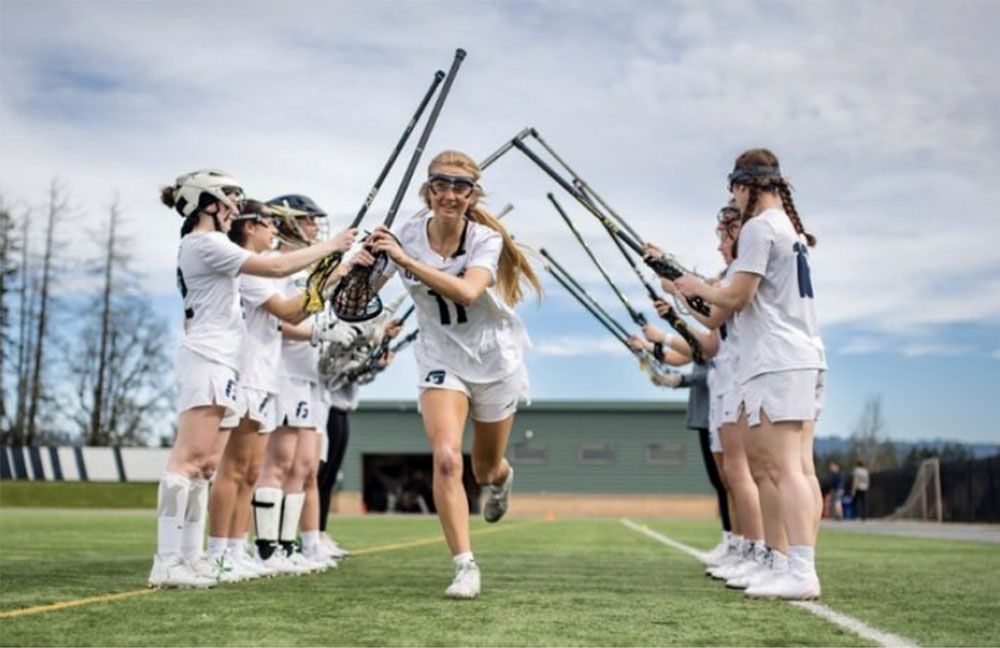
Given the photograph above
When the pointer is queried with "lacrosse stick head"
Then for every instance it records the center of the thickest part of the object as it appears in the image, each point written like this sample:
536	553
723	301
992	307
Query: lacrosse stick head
355	299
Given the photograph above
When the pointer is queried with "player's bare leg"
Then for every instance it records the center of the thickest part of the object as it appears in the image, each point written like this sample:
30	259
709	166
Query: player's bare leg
490	467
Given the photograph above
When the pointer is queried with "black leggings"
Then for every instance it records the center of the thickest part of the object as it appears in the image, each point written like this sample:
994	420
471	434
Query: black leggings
705	440
337	434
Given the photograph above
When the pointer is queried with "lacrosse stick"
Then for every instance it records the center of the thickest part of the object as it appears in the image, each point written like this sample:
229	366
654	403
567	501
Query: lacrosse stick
356	298
325	267
665	266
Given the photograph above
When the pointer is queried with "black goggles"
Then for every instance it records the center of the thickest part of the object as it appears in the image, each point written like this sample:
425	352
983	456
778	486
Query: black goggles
751	175
728	215
462	186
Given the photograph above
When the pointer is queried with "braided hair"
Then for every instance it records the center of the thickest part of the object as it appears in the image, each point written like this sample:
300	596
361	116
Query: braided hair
758	170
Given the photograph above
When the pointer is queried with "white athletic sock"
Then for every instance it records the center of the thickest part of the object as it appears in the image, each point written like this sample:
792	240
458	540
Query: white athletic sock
726	535
193	537
802	558
266	519
310	539
171	503
291	511
779	561
464	559
217	546
236	544
735	541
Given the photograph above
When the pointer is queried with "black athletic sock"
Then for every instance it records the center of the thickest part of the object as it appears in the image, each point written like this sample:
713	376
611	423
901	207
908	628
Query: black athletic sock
704	440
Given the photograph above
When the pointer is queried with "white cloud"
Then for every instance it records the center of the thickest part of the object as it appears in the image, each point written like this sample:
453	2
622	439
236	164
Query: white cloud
890	141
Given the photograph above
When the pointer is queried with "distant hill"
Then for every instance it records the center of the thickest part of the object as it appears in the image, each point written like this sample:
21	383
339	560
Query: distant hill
826	445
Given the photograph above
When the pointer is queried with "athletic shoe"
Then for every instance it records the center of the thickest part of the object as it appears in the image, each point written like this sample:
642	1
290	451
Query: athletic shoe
715	556
731	555
174	572
741	577
793	585
497	499
331	547
218	568
734	559
247	565
299	559
466	583
319	555
278	563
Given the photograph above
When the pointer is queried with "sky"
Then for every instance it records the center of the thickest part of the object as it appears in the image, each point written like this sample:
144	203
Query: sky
884	117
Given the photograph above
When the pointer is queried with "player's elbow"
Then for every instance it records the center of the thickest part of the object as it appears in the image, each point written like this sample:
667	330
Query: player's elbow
469	296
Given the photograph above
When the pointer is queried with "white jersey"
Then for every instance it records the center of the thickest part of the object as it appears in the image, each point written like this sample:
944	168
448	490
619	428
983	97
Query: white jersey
778	328
207	267
261	358
480	343
725	365
299	359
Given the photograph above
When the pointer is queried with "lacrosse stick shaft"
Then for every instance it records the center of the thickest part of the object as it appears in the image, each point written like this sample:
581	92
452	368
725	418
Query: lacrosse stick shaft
578	180
424	136
438	77
672	318
581	293
636	316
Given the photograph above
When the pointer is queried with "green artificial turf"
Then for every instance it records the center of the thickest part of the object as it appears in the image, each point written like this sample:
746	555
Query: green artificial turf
568	582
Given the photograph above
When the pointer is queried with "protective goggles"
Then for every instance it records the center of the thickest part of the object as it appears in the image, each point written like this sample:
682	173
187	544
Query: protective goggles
751	175
461	186
728	215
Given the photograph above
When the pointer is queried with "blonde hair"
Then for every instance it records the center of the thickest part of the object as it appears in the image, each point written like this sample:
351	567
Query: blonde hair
513	269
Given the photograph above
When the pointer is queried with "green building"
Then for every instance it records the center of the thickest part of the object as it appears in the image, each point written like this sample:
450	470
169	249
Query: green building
570	457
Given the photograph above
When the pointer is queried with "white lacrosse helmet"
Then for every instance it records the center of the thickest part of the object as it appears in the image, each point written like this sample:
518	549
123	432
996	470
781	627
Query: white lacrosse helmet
198	189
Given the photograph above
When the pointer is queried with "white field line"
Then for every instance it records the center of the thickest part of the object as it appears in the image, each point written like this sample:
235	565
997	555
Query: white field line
856	626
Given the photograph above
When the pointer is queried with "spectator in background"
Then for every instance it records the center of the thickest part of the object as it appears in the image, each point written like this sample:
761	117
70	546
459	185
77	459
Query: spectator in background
859	489
836	491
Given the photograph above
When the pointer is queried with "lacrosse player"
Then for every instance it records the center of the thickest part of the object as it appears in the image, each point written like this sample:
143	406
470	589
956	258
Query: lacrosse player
207	362
782	363
464	273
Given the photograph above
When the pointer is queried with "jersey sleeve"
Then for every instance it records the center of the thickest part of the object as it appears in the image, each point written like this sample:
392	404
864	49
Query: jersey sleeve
256	290
754	248
222	255
485	252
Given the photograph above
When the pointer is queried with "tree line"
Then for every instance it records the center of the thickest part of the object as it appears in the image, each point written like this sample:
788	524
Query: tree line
84	357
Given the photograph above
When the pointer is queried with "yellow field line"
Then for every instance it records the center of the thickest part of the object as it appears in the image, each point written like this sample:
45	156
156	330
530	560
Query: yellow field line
61	605
42	609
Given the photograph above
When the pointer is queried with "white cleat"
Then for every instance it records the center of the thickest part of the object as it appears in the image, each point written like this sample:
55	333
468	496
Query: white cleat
217	568
299	559
175	572
318	555
466	583
331	547
793	585
498	499
714	557
247	566
278	564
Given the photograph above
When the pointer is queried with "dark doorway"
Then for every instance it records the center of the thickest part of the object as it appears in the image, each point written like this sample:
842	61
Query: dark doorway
401	483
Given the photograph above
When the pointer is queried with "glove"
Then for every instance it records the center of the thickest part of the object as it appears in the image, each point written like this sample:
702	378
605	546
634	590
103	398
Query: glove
327	328
671	379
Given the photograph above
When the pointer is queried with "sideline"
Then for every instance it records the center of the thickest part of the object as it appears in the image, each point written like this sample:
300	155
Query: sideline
855	626
62	605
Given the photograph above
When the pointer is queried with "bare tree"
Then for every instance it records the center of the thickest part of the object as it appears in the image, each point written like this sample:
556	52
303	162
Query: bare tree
8	273
57	208
868	439
120	362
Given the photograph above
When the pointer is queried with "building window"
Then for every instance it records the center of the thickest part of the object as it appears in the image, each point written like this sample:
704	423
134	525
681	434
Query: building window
527	452
597	453
665	454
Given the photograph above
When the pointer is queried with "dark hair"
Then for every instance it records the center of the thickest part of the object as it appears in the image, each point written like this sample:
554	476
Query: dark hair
758	170
238	231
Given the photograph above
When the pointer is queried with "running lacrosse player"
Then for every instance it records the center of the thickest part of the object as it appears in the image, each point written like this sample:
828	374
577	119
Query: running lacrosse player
465	274
207	362
782	363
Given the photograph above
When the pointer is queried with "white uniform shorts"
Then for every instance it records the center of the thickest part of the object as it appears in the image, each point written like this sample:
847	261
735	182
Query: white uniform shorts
794	395
714	412
714	440
488	402
202	382
298	402
258	405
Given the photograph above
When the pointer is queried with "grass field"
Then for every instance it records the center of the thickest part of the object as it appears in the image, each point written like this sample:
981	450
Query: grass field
565	582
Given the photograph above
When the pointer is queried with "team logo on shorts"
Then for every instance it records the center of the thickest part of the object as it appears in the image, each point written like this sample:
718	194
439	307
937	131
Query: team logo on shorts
436	377
231	389
302	410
